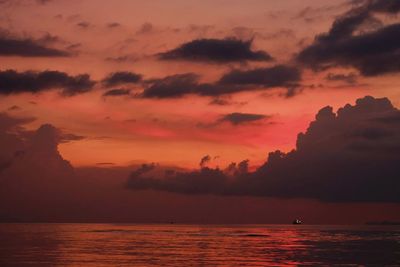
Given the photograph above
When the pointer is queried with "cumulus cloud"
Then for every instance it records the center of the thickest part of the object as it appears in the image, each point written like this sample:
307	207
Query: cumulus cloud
347	156
122	77
217	51
360	40
13	82
28	155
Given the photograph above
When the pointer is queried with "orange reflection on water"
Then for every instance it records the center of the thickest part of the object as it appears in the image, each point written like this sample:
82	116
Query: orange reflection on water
189	245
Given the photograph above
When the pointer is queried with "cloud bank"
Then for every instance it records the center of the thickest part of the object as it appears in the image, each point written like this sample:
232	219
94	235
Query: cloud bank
348	156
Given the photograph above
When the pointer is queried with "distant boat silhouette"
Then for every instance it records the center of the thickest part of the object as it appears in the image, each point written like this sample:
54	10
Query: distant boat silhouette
297	221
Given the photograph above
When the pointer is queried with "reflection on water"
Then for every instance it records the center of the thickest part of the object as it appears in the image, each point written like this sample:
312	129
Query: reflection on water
188	245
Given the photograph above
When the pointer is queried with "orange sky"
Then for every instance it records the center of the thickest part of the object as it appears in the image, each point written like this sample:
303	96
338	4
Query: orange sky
124	129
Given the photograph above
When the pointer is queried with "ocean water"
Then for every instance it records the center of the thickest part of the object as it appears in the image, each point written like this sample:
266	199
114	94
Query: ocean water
197	245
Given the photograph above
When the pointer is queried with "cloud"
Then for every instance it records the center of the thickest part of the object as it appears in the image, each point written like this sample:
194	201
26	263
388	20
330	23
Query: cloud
27	48
276	76
348	156
358	39
204	161
121	77
69	137
236	81
10	140
83	24
179	85
117	92
113	25
9	123
216	51
172	86
13	82
31	153
225	101
350	78
143	169
242	118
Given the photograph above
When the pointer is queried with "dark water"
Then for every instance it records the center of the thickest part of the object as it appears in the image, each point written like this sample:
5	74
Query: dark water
188	245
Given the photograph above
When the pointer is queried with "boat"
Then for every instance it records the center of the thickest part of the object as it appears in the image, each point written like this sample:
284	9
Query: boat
297	221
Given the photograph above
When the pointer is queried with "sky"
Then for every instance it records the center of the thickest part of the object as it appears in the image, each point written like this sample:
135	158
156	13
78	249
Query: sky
148	110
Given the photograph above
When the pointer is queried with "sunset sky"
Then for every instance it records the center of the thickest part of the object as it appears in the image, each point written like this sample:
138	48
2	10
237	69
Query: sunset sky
129	82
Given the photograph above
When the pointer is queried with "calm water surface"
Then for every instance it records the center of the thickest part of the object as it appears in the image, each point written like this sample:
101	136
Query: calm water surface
190	245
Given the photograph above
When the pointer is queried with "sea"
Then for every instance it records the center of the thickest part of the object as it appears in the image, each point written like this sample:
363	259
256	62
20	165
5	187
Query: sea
198	245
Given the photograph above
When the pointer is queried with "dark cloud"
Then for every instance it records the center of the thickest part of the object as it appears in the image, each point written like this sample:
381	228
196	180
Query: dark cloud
172	86
241	118
13	82
216	50
117	92
83	24
179	85
233	82
113	25
348	156
27	48
270	77
121	77
23	151
204	161
145	168
203	181
358	39
276	76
